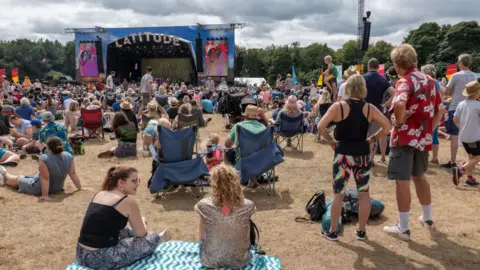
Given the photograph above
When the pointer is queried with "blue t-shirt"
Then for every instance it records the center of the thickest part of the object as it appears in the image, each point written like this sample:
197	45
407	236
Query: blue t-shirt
58	169
26	112
207	105
116	106
376	88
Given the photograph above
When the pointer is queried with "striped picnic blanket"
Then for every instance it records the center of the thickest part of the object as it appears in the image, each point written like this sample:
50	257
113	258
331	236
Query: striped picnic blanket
181	255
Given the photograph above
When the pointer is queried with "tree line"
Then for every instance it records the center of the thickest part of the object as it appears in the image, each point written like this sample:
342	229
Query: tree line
438	44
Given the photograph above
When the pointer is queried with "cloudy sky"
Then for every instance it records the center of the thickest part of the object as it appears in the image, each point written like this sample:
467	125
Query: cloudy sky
268	21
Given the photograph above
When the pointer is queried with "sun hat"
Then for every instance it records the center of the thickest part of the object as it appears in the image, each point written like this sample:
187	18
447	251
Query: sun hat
48	117
173	102
471	88
251	112
126	105
291	103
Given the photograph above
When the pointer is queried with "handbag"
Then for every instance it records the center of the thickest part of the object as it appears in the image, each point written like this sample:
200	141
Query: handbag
254	234
315	207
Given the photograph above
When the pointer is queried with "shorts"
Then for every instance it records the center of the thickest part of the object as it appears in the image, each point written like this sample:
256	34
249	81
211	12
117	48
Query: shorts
30	185
435	140
2	152
332	80
373	128
452	129
472	149
150	130
146	98
344	166
405	162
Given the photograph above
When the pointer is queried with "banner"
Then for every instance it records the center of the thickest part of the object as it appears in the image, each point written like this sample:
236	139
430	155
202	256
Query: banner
320	78
216	58
294	75
2	72
15	75
451	69
339	73
359	68
381	69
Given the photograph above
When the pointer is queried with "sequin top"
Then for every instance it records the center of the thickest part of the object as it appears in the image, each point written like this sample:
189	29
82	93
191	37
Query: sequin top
227	238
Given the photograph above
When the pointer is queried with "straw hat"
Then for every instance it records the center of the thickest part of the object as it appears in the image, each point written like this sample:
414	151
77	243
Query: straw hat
471	88
173	102
251	112
126	105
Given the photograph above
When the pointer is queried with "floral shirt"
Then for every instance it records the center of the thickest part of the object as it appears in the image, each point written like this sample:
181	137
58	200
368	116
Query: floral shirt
54	129
422	100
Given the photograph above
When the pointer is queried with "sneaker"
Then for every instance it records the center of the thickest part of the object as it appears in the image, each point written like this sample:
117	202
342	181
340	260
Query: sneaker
361	235
456	174
448	165
332	236
426	223
472	182
396	232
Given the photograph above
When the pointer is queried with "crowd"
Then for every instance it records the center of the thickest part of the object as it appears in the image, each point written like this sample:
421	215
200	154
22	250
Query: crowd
404	112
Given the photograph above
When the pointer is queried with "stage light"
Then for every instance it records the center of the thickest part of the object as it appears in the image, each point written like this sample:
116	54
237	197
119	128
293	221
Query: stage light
368	14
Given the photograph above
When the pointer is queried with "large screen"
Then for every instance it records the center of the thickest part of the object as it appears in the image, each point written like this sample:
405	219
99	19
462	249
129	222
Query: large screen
87	60
172	68
216	57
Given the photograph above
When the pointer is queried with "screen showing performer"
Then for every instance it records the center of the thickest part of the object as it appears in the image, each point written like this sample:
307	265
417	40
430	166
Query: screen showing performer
87	60
216	57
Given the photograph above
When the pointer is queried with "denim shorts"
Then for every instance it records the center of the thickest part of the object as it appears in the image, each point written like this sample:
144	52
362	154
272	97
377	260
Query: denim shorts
30	185
435	140
150	130
452	129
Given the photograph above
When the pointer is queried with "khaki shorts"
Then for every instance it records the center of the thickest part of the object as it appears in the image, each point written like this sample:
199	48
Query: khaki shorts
146	98
405	162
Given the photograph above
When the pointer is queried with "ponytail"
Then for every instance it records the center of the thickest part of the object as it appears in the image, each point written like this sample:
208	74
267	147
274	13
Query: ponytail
114	174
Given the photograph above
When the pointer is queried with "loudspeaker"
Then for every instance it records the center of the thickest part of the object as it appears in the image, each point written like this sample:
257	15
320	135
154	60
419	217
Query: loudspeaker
98	47
239	63
366	35
199	54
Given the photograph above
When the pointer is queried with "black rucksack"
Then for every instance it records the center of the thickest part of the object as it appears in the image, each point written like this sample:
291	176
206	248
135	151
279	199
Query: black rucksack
315	207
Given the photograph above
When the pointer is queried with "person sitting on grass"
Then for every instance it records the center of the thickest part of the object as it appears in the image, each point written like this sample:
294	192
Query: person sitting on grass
53	129
4	123
150	135
34	146
105	241
8	158
225	222
125	133
22	134
53	167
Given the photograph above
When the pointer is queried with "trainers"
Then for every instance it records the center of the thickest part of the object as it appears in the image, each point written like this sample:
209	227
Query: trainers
448	165
456	174
396	232
472	182
332	236
426	223
361	235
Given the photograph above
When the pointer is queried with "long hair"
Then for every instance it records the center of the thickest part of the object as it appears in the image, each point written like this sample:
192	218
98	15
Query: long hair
55	145
119	119
114	174
226	189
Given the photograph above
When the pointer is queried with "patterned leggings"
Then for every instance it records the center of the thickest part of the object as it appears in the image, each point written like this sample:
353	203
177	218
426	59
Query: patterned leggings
344	166
128	250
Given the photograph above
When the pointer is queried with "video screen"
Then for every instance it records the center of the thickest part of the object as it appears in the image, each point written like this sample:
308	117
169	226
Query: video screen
172	68
216	57
87	60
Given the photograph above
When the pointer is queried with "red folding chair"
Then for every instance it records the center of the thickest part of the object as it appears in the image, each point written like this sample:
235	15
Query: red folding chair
92	122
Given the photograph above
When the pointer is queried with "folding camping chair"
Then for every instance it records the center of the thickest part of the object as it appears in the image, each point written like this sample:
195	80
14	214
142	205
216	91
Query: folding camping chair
322	110
92	122
185	121
177	161
290	130
259	154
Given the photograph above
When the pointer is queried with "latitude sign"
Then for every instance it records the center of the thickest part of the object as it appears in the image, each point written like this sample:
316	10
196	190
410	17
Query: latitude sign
147	37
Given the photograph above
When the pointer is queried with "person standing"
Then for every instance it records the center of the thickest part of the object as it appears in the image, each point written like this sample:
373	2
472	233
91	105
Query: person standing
146	89
110	85
288	84
454	89
5	84
210	84
417	109
377	85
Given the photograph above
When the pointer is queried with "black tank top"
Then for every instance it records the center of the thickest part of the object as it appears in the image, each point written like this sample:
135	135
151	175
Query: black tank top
351	132
101	225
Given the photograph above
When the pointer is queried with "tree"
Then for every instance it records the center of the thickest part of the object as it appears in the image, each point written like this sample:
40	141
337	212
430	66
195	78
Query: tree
347	54
380	50
425	40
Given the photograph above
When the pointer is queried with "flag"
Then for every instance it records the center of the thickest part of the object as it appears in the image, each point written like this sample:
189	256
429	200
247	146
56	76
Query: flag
381	69
451	69
320	78
2	72
339	73
359	68
15	75
294	75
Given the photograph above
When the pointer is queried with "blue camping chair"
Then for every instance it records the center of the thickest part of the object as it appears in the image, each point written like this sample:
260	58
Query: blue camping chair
290	130
259	154
176	164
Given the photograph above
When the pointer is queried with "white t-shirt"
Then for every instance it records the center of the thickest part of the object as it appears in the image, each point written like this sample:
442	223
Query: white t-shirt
143	84
469	113
457	83
154	86
37	85
341	90
66	103
110	84
313	92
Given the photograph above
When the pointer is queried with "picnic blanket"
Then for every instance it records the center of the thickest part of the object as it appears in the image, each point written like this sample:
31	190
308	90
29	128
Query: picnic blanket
181	255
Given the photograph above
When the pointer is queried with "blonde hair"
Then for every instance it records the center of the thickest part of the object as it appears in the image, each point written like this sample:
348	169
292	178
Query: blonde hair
404	56
97	103
74	106
214	138
325	98
356	87
164	123
24	101
226	189
85	102
328	57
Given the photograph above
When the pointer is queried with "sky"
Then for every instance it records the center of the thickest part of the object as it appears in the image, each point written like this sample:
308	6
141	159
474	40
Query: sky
267	21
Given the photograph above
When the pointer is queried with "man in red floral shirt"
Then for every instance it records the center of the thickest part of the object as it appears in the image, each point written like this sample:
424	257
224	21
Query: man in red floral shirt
417	110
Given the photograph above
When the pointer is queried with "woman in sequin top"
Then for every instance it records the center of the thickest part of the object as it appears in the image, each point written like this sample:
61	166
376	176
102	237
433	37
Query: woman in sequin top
225	222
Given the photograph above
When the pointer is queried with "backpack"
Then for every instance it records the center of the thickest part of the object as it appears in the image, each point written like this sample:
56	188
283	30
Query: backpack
327	219
315	207
110	98
350	206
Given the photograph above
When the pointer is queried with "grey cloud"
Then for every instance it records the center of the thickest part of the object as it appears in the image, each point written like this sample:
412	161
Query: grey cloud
48	26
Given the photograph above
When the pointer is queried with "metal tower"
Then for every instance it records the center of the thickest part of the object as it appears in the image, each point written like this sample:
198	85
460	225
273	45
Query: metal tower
361	12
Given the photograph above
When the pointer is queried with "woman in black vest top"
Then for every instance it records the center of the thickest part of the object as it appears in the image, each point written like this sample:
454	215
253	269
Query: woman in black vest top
105	241
352	151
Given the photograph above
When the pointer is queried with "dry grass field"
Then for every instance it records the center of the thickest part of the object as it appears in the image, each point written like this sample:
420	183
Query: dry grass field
43	235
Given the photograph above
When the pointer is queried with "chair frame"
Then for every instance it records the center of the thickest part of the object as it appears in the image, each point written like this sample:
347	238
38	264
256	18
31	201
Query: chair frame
92	134
297	139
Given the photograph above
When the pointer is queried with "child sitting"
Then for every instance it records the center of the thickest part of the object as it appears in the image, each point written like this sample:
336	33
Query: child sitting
33	146
214	156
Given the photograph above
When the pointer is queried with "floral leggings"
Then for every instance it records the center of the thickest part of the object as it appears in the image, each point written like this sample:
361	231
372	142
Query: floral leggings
344	166
128	250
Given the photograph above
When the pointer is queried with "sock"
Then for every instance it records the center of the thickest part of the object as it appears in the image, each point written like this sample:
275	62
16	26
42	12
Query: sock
427	212
470	177
462	169
403	221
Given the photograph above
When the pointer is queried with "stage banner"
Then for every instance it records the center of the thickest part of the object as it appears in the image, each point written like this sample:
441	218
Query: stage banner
451	69
15	75
339	73
87	60
216	57
294	75
381	69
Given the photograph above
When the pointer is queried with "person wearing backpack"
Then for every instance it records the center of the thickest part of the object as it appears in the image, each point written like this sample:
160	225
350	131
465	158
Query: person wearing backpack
352	150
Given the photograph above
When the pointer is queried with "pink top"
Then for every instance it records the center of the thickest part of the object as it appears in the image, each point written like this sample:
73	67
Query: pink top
217	154
266	97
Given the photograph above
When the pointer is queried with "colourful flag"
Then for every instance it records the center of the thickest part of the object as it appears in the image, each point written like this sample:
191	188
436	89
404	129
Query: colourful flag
320	78
359	68
294	75
339	73
381	69
15	75
451	69
2	72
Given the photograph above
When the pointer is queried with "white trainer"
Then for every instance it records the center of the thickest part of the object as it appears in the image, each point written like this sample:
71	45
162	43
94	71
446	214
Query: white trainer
396	232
